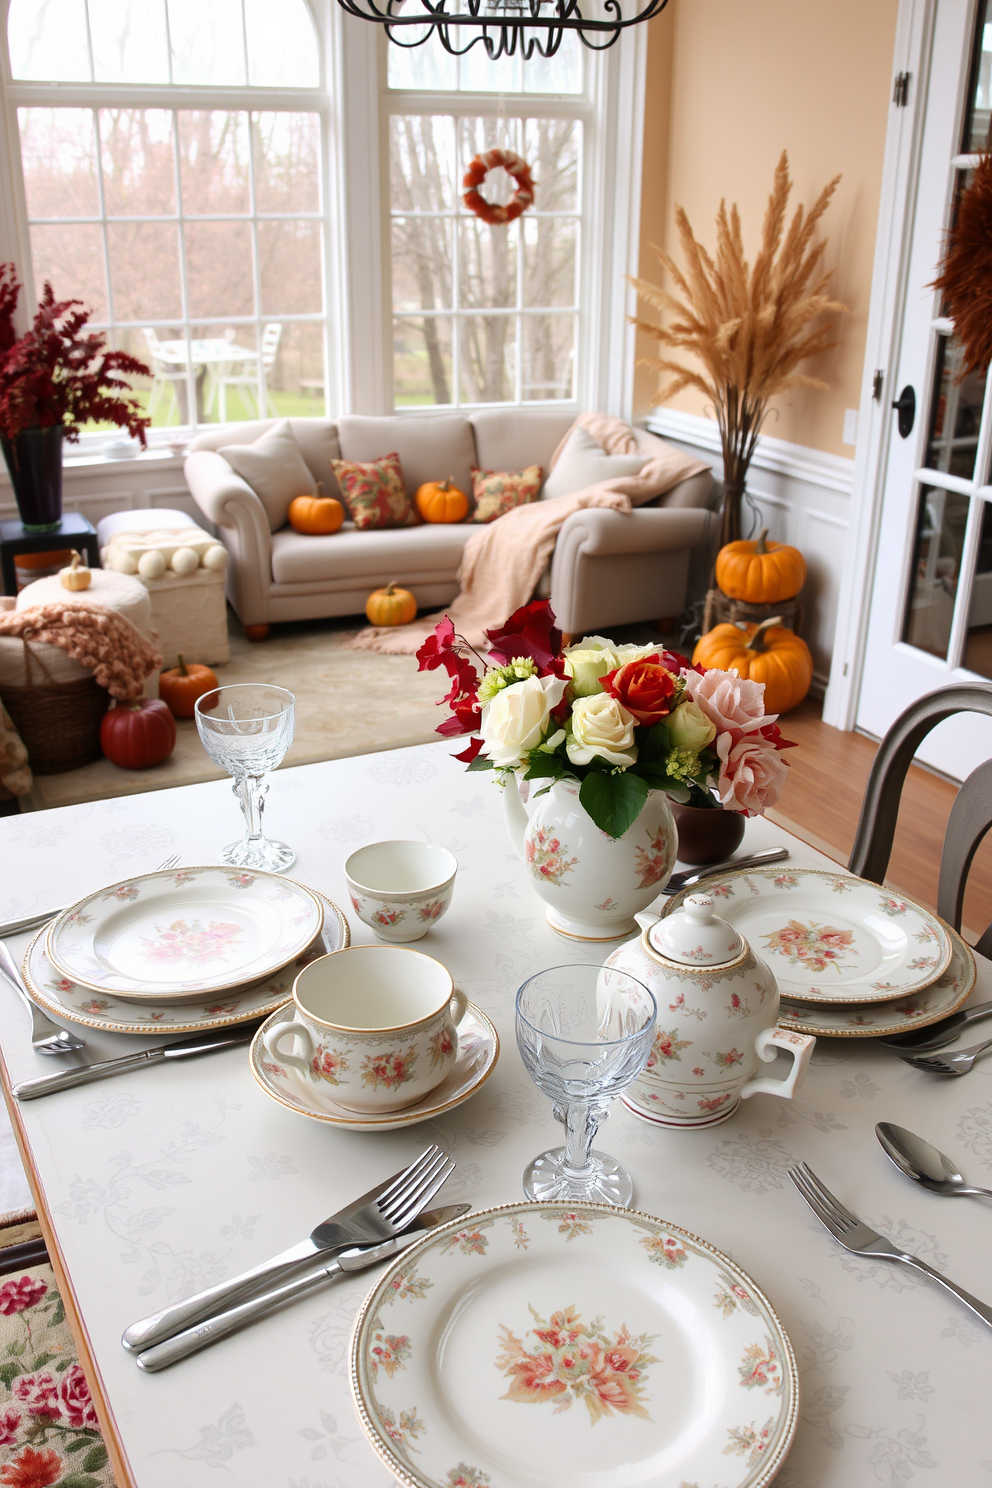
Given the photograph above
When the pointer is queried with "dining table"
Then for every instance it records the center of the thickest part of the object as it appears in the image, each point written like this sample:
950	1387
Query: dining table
163	1181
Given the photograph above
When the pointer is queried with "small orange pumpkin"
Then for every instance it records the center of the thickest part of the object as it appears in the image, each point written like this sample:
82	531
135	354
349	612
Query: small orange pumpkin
768	653
440	501
317	516
390	606
181	685
760	572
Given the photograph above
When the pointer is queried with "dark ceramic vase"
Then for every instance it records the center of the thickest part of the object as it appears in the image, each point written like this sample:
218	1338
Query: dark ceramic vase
34	459
707	834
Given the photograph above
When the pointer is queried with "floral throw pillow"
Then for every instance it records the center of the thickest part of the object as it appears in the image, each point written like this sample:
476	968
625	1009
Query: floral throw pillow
375	493
499	491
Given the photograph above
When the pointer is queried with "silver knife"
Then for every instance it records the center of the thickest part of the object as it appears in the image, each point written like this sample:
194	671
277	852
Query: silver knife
680	881
181	1345
105	1069
32	922
937	1035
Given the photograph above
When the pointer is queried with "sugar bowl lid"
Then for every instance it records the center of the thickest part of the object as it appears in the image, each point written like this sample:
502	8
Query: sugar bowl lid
695	935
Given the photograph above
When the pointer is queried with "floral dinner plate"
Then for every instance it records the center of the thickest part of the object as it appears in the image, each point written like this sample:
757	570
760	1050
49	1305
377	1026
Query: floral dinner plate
68	999
883	1019
478	1051
201	930
542	1346
828	936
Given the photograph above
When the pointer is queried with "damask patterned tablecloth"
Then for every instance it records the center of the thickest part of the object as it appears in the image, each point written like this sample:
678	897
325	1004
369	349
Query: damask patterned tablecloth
161	1182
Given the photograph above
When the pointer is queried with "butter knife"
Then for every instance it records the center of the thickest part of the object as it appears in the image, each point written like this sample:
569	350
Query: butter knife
181	1345
105	1069
691	876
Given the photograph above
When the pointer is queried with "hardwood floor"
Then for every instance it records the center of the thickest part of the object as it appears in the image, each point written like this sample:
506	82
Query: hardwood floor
822	801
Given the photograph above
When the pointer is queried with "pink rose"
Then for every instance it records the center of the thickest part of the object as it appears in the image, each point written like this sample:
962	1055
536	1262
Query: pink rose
15	1296
752	773
75	1399
38	1393
9	1422
729	701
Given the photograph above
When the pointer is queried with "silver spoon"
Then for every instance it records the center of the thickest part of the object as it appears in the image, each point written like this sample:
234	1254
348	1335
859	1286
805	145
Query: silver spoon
922	1162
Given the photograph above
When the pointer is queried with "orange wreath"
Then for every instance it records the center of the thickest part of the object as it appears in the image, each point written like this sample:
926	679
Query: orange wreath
521	199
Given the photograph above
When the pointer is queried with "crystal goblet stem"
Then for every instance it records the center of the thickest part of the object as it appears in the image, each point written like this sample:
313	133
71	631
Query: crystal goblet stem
247	729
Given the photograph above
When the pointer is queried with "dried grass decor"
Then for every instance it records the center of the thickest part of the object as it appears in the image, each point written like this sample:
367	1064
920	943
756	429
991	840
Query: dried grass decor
748	326
966	272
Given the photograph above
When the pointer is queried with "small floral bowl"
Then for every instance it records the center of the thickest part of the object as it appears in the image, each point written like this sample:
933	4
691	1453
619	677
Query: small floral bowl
400	889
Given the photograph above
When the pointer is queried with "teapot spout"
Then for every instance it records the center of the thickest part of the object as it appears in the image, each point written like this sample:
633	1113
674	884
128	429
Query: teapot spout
647	918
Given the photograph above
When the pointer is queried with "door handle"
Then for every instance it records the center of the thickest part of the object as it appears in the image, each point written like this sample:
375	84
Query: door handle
906	408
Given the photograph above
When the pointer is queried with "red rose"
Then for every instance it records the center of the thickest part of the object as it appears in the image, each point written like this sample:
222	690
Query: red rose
9	1422
644	688
75	1399
38	1393
15	1296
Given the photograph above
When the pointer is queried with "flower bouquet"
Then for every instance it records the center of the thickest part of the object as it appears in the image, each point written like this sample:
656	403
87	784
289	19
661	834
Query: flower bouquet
622	720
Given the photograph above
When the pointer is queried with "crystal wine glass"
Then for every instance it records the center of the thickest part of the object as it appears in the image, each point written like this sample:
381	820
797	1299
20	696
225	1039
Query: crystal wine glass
584	1034
247	729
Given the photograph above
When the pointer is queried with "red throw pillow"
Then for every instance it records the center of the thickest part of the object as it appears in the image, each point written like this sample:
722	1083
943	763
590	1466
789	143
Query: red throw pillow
499	491
375	493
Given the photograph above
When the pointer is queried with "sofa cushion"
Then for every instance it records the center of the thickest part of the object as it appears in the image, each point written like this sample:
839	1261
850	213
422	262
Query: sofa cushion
510	438
317	438
498	491
583	462
275	469
374	492
430	447
372	557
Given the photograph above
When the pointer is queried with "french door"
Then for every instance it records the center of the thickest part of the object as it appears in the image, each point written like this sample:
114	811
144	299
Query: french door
930	619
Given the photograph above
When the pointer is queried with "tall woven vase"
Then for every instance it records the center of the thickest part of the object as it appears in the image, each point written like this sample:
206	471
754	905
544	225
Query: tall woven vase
34	459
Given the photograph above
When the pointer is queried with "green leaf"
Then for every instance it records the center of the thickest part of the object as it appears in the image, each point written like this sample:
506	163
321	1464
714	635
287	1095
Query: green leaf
613	801
653	745
42	1360
82	1481
9	1372
58	1316
79	1445
95	1459
480	763
543	765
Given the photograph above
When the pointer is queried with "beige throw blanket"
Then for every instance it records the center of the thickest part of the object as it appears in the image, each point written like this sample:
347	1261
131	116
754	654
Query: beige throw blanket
119	657
503	562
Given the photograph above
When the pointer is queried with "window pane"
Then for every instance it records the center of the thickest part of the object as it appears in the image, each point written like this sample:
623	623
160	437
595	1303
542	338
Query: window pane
561	73
422	263
955	413
47	40
227	371
549	260
478	135
71	259
978	639
290	268
207	45
487	347
936	569
488	265
129	41
144	270
219	279
282	46
976	125
294	371
287	162
477	74
427	67
138	164
422	371
58	149
213	161
548	357
552	148
422	163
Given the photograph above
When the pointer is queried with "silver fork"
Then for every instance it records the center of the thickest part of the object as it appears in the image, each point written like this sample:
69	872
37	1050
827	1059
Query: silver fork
387	1212
948	1064
861	1239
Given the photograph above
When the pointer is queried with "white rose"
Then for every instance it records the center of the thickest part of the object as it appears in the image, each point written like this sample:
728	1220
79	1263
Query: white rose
601	727
636	653
689	727
586	665
514	722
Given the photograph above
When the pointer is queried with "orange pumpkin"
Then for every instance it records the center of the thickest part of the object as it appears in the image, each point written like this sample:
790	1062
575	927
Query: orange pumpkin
768	653
317	516
760	572
440	501
181	685
390	606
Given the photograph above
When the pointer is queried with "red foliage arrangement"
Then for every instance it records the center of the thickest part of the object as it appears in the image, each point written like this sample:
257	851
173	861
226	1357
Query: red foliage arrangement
966	271
491	212
60	373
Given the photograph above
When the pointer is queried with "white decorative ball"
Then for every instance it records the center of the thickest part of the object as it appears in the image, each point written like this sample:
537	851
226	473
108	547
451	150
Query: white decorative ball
185	561
215	558
124	561
151	565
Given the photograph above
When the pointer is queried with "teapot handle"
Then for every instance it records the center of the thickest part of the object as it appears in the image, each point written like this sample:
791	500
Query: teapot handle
515	816
799	1045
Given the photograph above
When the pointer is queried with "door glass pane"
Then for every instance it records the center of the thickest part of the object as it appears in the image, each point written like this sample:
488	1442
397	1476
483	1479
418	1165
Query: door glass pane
422	370
976	124
58	149
955	414
978	640
940	528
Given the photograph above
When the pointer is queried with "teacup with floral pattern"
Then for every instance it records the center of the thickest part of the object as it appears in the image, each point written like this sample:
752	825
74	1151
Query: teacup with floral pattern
377	1027
400	889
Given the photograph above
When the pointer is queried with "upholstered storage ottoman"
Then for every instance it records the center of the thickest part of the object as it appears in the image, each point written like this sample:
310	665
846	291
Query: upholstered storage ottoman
190	615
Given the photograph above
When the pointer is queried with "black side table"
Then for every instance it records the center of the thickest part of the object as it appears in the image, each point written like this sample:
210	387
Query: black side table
74	531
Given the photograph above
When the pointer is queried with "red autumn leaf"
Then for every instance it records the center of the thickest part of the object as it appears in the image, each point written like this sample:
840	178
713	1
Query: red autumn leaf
530	632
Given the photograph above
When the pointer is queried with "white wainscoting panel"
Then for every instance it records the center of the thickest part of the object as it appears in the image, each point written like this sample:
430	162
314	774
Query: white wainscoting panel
803	497
98	487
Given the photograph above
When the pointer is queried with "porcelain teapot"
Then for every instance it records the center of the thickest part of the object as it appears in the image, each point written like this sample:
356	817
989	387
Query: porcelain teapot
717	1018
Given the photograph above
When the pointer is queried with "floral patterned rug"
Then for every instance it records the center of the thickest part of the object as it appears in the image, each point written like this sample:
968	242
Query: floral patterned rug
49	1436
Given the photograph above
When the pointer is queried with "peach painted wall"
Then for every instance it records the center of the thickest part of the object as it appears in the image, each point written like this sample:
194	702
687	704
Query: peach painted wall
730	84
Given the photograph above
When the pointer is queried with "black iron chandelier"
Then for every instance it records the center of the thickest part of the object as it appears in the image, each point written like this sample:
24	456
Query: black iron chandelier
502	25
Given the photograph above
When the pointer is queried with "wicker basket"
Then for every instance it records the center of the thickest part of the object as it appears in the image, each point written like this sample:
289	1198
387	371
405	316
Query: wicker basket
59	722
722	610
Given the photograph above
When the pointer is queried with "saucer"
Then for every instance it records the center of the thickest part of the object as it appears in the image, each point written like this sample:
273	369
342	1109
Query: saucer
478	1051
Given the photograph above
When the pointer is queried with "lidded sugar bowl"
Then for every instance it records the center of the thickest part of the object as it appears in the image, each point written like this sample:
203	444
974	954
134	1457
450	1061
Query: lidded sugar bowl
717	1018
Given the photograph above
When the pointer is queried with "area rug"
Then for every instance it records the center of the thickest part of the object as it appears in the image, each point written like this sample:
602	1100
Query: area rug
49	1435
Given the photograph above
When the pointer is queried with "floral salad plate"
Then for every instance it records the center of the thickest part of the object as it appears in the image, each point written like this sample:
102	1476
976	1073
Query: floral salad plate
831	937
544	1346
478	1051
68	999
883	1019
199	930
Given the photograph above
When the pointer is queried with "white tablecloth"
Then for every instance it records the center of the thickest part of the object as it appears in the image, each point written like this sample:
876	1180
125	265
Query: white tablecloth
164	1181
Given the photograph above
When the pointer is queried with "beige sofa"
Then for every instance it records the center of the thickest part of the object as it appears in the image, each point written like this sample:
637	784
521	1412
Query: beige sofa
607	568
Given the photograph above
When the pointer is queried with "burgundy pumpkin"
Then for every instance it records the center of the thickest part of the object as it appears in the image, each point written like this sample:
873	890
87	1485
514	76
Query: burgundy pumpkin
138	734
